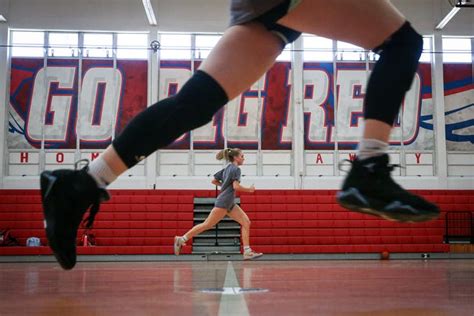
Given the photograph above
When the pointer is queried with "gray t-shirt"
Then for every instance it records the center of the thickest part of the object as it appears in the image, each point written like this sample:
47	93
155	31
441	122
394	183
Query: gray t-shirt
227	176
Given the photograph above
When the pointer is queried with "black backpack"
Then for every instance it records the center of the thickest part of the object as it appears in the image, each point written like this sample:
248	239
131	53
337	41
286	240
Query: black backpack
6	238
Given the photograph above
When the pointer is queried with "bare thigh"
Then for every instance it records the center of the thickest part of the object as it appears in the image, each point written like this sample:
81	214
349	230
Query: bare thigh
243	54
238	215
215	216
366	23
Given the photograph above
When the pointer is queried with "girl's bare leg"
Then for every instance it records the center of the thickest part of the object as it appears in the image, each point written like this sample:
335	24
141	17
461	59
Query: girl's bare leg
214	217
238	215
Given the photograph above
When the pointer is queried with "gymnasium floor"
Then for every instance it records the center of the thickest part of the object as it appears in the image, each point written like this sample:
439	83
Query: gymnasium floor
309	287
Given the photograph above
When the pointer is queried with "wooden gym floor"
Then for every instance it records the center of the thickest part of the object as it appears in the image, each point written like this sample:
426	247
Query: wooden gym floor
312	287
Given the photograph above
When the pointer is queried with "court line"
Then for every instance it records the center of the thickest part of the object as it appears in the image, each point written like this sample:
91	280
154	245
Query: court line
232	304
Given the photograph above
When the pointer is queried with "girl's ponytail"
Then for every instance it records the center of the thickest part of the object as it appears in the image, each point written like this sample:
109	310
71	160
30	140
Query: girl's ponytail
228	154
220	154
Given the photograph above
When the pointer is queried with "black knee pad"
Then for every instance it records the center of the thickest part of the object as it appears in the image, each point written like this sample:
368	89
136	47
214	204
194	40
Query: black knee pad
160	124
393	74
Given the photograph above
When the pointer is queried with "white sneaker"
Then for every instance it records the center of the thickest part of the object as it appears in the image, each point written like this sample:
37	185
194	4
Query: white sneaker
178	243
250	254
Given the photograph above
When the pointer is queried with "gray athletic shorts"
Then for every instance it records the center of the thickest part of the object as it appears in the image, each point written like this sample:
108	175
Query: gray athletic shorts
268	12
229	206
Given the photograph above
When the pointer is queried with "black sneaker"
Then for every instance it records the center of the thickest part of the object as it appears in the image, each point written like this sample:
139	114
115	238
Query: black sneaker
67	195
369	189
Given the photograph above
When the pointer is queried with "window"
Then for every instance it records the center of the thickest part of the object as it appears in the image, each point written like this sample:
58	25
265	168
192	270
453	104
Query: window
132	46
63	45
373	56
98	45
285	55
347	51
427	50
204	44
175	46
317	48
425	56
27	44
457	50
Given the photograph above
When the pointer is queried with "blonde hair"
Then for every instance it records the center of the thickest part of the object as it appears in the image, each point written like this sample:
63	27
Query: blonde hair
228	154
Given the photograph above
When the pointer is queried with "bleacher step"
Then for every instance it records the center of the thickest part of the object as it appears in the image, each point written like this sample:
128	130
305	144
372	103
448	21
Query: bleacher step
221	234
214	249
228	231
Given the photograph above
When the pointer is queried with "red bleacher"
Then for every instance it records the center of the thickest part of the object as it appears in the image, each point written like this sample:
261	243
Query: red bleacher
283	222
303	223
132	222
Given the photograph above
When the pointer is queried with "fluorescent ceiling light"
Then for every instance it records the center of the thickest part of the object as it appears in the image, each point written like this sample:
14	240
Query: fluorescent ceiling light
447	18
2	18
465	4
150	14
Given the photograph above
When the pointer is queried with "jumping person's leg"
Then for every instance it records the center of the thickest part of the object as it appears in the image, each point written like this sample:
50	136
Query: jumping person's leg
365	23
376	25
238	215
371	23
240	58
216	215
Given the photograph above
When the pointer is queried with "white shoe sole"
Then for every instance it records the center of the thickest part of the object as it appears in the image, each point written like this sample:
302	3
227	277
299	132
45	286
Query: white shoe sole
253	257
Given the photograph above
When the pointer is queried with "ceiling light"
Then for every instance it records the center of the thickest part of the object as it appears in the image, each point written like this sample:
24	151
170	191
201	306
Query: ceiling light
447	18
465	4
150	14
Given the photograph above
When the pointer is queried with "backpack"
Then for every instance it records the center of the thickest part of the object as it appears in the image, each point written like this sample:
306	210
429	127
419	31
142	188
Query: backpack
33	242
6	238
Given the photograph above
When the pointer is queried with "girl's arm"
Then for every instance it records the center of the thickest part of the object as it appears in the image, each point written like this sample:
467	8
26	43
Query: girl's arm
241	188
216	182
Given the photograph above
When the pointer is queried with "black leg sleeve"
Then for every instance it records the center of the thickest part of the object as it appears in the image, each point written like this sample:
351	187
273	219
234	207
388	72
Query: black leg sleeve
393	74
160	124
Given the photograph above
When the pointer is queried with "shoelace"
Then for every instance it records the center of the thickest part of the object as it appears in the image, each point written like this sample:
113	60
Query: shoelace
89	221
77	163
94	209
